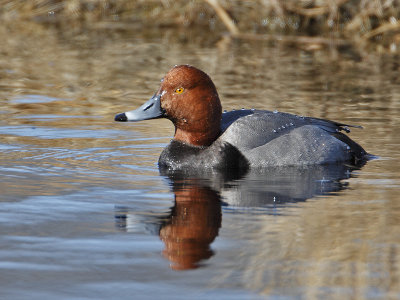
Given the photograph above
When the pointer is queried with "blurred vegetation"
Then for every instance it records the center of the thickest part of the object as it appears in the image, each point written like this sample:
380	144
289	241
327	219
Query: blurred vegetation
354	21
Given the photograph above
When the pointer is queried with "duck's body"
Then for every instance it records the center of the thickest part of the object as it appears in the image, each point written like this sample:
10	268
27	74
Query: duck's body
207	138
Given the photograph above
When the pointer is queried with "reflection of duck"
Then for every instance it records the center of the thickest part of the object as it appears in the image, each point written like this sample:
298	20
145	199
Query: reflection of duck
192	227
277	186
207	138
194	221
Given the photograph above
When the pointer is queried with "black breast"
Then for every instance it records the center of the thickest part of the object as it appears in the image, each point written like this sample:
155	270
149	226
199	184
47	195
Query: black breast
220	155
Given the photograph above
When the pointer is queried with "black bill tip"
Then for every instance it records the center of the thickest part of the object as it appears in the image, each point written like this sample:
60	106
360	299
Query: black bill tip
121	118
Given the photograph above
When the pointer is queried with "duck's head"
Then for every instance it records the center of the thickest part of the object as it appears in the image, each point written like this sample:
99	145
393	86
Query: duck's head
188	97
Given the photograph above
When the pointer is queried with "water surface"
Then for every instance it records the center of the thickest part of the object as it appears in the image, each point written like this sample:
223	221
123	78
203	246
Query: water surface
86	214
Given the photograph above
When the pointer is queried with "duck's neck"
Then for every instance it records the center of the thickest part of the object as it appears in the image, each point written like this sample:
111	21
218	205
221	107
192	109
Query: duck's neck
199	138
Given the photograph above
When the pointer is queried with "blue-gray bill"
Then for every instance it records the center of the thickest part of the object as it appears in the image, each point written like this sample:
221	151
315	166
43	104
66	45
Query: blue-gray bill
149	110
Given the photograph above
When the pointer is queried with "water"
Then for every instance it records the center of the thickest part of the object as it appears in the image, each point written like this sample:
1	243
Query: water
85	213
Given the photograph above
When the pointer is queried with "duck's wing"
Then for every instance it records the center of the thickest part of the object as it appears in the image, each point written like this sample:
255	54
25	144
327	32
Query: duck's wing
330	126
229	117
248	129
256	127
284	139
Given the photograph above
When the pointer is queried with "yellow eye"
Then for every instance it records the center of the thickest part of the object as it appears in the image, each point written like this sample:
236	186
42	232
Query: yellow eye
179	90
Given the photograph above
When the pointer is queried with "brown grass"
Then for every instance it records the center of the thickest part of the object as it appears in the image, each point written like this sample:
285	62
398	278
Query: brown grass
357	21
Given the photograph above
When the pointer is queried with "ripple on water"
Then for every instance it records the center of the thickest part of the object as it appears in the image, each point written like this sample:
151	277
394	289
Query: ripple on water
57	133
30	99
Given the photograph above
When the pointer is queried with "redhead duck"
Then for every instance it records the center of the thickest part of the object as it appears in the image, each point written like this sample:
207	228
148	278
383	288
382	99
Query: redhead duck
206	137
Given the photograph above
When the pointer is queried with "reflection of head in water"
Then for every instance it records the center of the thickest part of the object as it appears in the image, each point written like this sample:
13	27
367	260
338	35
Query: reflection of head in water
194	221
193	225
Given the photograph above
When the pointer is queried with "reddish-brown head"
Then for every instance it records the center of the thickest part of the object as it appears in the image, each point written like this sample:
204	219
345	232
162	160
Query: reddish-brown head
190	100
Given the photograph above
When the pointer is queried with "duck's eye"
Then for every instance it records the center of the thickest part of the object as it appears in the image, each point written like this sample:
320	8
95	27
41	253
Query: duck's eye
179	90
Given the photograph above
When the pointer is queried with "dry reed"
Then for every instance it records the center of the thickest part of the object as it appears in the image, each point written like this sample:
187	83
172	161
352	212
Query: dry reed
356	21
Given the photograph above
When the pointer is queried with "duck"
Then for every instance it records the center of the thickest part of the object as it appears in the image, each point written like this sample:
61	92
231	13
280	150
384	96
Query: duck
208	138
